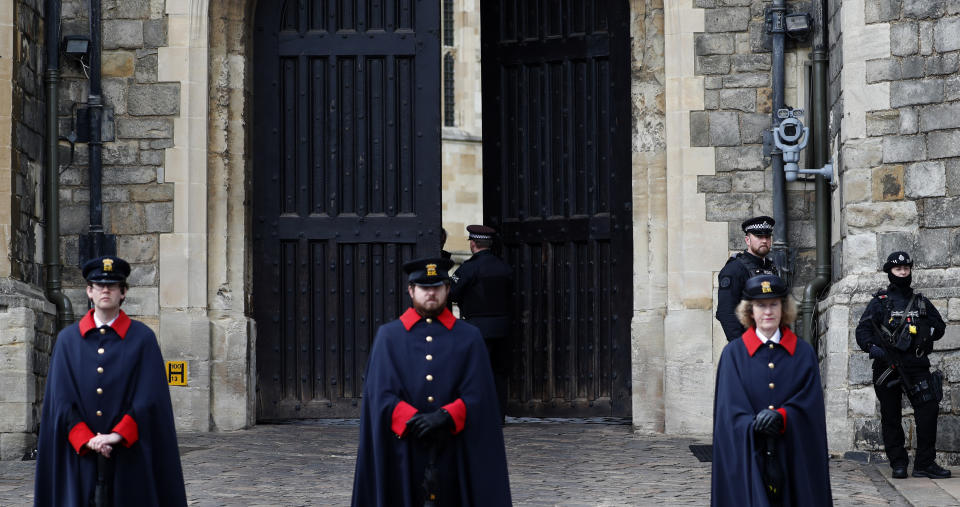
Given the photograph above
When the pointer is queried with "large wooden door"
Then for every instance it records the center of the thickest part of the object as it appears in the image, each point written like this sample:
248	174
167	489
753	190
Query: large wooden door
346	186
557	183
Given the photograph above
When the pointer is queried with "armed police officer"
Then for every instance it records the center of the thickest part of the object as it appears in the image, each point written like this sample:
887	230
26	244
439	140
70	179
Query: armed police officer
898	329
483	287
751	262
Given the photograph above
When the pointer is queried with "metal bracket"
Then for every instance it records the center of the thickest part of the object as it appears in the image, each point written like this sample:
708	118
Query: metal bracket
825	171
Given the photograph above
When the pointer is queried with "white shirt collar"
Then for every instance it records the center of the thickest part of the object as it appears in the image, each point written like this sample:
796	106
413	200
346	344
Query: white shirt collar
775	338
101	324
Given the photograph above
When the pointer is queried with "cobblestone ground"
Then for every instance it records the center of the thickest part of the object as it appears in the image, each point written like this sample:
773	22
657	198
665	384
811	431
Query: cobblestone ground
551	463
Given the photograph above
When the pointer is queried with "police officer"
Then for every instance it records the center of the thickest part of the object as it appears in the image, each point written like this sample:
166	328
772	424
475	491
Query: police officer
483	287
898	329
748	263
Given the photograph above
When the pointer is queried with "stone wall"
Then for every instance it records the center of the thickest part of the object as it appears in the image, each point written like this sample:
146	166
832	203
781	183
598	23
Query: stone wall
899	190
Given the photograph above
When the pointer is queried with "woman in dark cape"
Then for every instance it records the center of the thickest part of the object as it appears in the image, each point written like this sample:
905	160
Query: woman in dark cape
769	433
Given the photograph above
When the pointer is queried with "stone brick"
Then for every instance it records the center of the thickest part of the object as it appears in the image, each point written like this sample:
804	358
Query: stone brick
151	193
883	69
129	175
893	241
729	207
876	11
74	219
943	143
145	128
126	9
712	82
953	309
941	212
938	65
699	128
713	184
152	157
903	149
862	153
861	370
882	216
747	80
142	275
953	176
905	93
751	62
883	122
926	37
904	39
117	64
909	120
123	218
711	100
114	95
925	179
747	181
752	127
724	129
887	183
120	33
706	65
741	99
142	301
923	8
912	67
948	433
713	44
155	33
951	88
120	152
159	216
731	19
16	445
146	68
154	99
765	100
140	248
743	158
946	35
935	248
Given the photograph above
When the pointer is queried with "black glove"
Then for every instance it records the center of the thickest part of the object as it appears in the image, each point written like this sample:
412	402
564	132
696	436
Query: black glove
768	422
421	425
877	352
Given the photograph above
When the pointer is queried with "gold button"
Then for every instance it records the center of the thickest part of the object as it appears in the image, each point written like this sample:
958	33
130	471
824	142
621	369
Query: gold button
429	357
429	378
99	413
771	385
99	390
771	345
770	365
770	407
429	321
100	350
100	369
103	330
430	399
429	338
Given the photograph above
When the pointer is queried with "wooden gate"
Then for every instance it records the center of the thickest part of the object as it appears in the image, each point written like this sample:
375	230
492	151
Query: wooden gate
346	186
557	183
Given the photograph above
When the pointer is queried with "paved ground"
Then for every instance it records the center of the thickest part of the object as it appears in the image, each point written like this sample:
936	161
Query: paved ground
551	463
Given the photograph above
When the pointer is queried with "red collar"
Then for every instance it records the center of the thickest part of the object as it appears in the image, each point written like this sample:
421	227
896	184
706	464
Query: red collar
788	340
121	325
411	317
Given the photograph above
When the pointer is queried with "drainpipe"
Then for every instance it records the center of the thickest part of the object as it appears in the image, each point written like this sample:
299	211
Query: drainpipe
51	249
777	28
95	144
820	58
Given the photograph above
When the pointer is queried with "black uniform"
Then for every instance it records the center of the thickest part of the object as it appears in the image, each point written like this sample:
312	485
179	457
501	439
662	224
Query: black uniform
483	288
887	308
732	278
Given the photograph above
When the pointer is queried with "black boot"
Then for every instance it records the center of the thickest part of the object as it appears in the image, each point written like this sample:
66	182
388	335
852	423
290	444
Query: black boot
933	471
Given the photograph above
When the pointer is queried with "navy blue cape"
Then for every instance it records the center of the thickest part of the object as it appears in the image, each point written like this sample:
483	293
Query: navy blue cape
743	389
134	384
472	464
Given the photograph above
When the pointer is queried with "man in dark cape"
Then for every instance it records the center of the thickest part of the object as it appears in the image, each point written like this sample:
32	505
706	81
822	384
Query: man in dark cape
783	377
429	405
107	400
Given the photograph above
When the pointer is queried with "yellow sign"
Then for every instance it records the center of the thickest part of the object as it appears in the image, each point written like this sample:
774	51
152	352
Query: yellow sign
177	373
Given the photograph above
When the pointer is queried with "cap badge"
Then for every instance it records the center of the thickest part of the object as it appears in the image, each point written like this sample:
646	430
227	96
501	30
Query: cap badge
765	287
108	264
431	270
901	257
